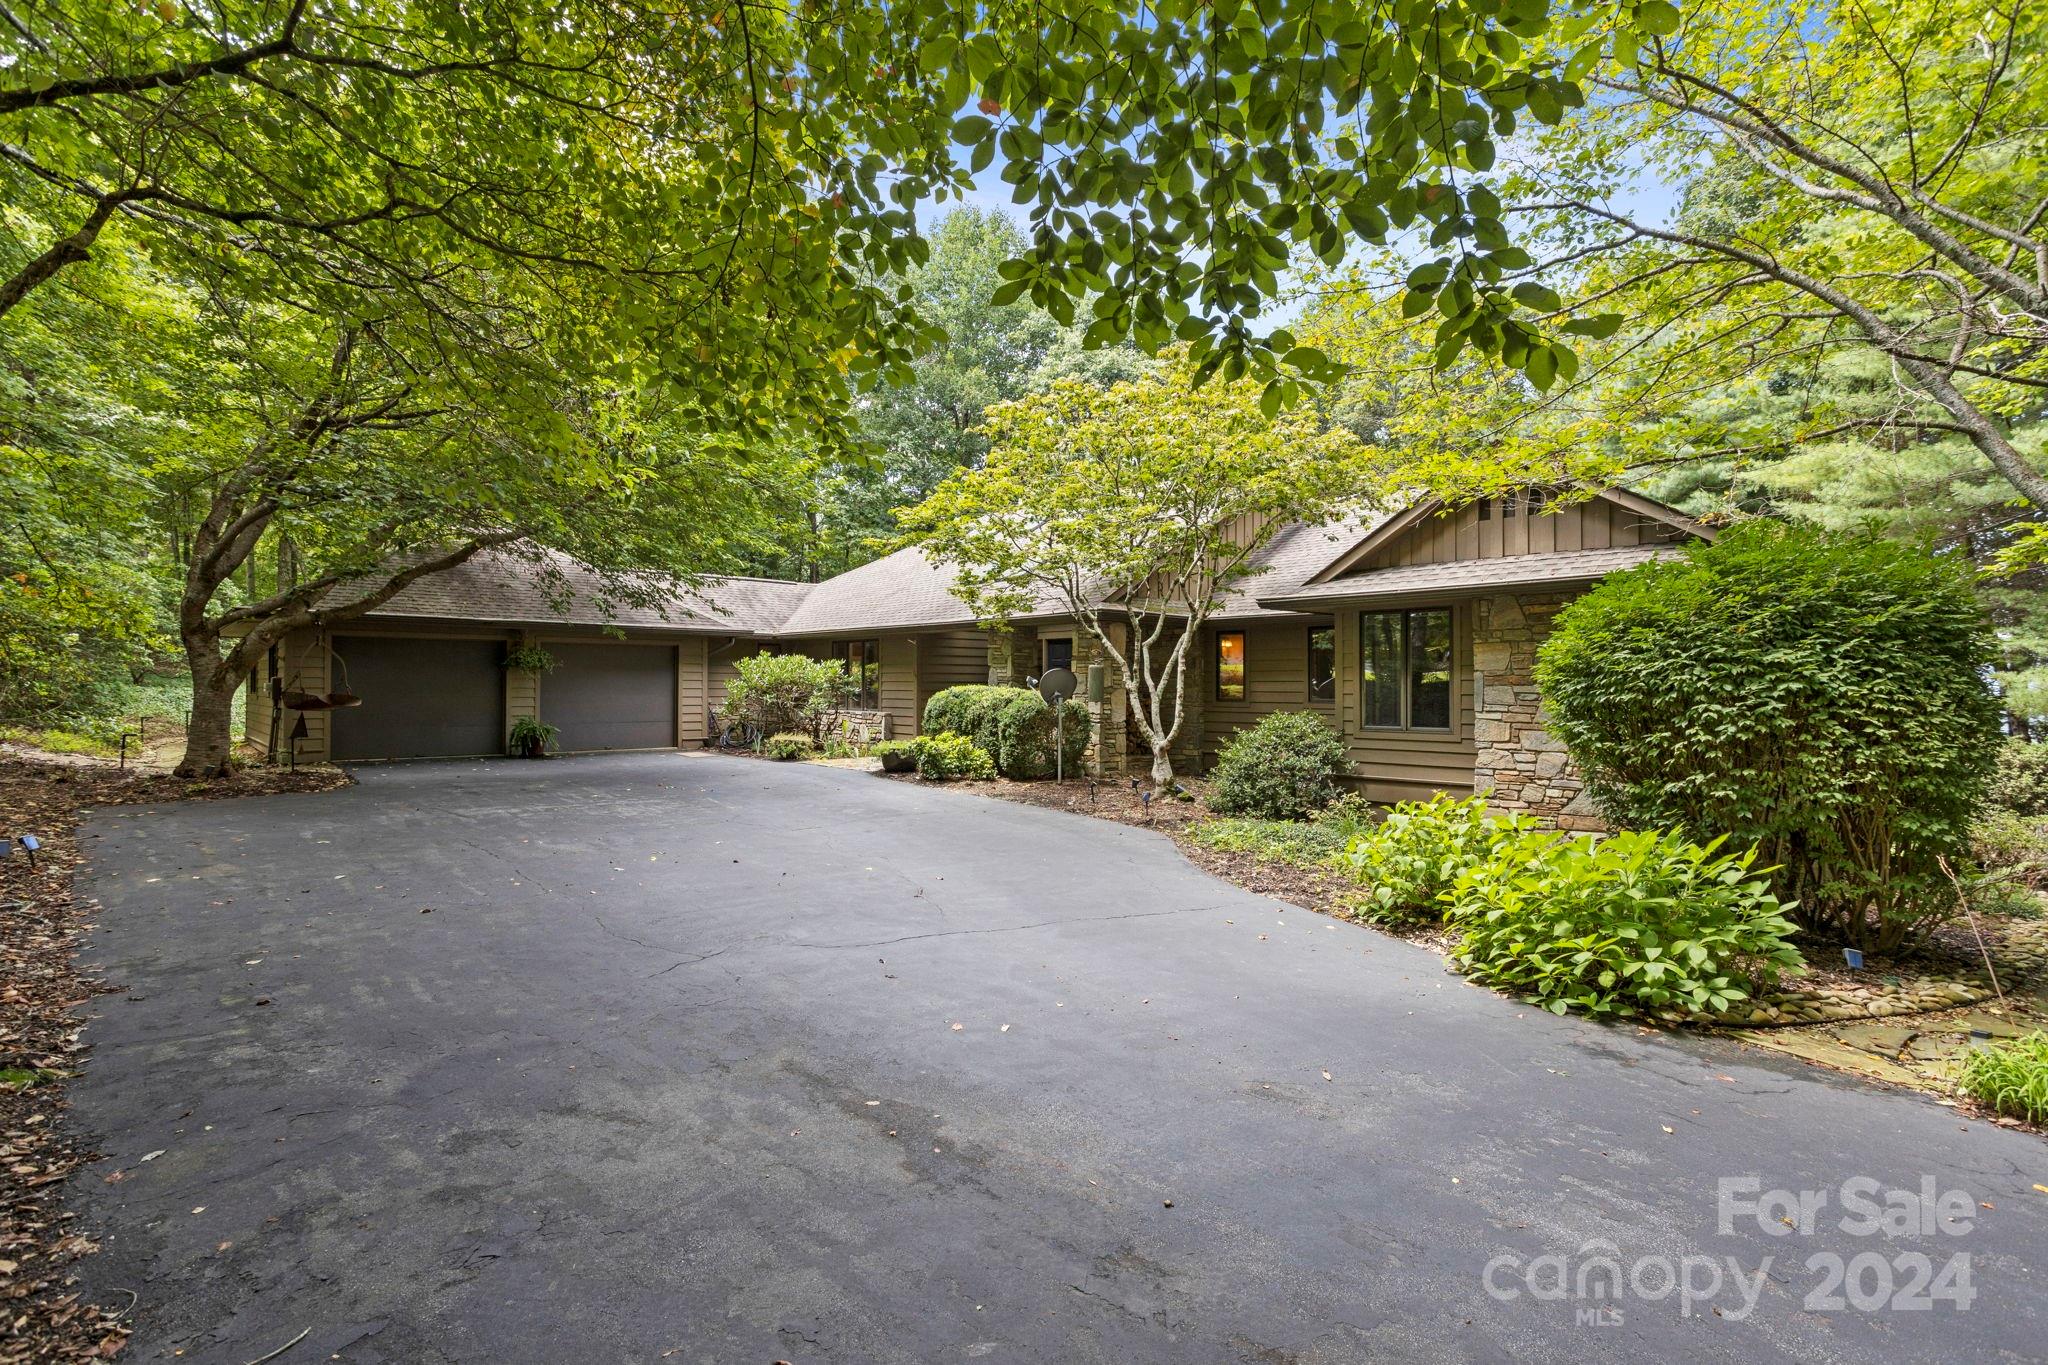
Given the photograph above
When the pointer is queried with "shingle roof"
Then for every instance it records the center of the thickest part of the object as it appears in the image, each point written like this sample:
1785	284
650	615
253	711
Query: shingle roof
513	589
1513	571
1289	560
896	592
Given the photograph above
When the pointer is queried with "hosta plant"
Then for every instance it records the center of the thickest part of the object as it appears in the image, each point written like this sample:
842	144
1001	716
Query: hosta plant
1635	923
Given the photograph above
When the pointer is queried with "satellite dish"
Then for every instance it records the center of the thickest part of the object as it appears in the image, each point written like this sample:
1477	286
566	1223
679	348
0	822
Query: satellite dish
1057	685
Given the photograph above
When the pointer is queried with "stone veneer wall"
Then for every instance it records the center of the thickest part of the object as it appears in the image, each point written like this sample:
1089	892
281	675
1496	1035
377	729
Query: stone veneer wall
1524	766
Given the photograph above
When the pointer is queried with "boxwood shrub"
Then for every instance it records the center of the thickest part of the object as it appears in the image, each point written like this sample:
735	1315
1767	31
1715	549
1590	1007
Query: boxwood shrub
1284	768
1815	694
974	710
1027	730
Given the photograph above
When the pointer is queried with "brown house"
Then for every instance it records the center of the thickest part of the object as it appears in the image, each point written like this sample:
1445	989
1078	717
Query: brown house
1413	635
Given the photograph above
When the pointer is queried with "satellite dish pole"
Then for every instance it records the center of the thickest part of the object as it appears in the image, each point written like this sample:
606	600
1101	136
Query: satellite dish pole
1056	686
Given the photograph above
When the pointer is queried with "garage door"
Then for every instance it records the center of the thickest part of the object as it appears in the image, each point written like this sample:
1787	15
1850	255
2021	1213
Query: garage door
421	698
611	696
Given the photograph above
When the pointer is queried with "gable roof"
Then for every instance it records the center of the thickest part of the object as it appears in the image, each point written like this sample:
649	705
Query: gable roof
1466	575
1391	528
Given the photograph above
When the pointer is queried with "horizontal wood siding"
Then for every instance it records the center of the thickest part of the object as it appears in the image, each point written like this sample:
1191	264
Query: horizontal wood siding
1400	765
898	691
692	692
723	657
957	658
1460	534
1276	679
522	699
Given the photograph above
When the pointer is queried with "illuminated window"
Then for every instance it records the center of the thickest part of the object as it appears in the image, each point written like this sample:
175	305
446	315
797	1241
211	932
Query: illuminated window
1230	665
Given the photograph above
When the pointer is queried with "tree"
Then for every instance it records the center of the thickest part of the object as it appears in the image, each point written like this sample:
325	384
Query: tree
1852	177
734	163
1144	502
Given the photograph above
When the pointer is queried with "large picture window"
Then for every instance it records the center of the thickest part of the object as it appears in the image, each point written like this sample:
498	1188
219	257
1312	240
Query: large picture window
863	660
1406	663
1322	664
1230	665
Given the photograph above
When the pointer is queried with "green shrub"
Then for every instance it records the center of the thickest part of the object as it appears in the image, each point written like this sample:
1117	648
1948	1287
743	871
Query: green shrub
2020	782
1815	694
1351	813
1636	923
1026	731
784	693
1273	841
2004	842
2010	1077
1407	862
1283	768
789	745
947	755
974	710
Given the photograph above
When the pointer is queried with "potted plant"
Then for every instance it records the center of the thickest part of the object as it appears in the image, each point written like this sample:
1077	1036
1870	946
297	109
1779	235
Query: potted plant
532	738
530	657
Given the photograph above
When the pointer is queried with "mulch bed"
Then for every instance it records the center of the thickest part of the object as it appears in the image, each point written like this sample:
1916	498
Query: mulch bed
42	1315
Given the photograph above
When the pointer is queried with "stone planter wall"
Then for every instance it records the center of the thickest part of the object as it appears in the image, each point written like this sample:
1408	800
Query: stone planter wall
1519	760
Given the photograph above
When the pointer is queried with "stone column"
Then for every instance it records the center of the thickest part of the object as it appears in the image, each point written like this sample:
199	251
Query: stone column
1523	766
1012	655
1107	720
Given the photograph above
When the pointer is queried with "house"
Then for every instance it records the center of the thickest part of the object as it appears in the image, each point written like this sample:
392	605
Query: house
1413	634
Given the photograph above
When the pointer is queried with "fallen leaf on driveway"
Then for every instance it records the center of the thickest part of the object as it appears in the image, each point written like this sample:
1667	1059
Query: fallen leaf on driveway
200	1209
152	1156
958	1027
1328	1077
1667	1127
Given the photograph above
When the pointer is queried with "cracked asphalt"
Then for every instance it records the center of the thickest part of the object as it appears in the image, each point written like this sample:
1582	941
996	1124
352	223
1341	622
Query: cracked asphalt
708	1059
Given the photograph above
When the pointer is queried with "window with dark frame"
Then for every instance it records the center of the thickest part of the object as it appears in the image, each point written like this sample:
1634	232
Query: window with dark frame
1322	664
863	660
1485	506
1059	653
1230	665
1406	669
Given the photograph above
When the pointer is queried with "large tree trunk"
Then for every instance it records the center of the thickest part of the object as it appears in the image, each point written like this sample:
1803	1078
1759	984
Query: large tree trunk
210	737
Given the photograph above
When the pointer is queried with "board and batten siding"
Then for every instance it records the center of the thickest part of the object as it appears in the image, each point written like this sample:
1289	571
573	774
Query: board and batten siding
956	658
1402	765
1460	534
1276	678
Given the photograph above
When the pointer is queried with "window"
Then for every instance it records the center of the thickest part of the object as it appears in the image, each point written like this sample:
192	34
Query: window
1059	653
1485	506
1322	664
1507	505
863	660
1407	669
1230	665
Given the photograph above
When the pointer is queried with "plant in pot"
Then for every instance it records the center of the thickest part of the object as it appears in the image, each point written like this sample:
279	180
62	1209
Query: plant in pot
530	657
532	738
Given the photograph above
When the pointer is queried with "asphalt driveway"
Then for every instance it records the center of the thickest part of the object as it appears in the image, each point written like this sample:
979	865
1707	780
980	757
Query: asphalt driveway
679	1057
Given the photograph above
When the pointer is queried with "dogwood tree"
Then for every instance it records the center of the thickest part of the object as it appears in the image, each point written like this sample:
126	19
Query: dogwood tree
1134	509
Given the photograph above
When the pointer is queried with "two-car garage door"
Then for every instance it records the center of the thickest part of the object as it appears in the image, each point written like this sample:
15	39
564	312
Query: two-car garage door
444	698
